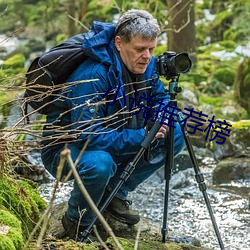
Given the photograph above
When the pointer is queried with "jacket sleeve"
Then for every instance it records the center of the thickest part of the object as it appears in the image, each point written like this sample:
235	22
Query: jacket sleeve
88	114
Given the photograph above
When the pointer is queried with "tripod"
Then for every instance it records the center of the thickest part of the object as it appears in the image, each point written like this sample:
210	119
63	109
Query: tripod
126	173
173	90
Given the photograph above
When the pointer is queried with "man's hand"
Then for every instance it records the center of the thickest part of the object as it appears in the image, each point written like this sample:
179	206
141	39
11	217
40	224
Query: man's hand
162	132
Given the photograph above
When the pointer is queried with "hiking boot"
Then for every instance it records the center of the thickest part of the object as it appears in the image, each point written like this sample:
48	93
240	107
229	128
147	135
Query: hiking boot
121	211
75	231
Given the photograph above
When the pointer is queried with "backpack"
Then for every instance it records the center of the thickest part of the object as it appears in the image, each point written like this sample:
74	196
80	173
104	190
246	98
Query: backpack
47	74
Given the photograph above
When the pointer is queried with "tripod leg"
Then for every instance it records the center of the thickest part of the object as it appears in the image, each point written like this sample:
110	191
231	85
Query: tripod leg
168	173
202	186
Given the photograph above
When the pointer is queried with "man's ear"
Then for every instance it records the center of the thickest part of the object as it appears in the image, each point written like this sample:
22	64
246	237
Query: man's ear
118	42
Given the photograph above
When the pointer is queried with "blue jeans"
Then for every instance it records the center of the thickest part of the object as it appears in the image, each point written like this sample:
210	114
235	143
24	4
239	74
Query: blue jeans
100	170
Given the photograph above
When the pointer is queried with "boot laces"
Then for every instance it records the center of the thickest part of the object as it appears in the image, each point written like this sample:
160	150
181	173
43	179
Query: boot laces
127	203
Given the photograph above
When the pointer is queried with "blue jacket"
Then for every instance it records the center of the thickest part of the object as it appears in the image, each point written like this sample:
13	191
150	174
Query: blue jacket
90	117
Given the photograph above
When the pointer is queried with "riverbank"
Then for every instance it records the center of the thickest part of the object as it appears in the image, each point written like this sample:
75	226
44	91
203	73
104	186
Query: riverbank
188	216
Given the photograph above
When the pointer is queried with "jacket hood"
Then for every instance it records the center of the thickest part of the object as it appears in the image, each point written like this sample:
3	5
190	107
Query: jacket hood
98	43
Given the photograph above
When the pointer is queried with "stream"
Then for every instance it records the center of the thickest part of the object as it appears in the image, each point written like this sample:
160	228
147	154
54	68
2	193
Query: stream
187	212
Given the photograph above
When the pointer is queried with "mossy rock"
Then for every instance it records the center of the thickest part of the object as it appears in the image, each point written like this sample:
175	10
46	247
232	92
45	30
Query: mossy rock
150	235
11	237
216	73
223	106
231	169
21	199
125	243
236	143
128	244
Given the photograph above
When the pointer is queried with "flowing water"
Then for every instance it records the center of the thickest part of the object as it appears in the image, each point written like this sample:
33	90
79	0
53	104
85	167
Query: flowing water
187	212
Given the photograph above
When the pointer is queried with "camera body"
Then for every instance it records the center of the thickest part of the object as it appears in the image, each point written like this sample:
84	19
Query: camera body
171	65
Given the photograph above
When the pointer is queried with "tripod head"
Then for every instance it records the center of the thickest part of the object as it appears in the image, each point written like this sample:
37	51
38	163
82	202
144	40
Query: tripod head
174	89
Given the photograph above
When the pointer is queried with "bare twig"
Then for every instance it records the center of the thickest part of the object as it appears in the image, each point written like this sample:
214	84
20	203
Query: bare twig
99	238
137	236
77	21
176	16
67	155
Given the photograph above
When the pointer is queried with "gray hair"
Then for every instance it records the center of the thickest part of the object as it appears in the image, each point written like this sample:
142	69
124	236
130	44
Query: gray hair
137	22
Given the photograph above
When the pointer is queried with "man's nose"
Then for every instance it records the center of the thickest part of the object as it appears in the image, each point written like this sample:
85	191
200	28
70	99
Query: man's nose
146	54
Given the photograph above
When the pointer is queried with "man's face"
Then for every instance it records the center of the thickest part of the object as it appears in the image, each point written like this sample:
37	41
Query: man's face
137	53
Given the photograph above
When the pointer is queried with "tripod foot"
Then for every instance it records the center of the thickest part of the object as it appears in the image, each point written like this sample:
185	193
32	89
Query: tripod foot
164	232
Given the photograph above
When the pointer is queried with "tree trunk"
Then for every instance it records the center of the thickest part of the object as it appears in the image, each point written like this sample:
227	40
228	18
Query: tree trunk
71	6
181	27
83	8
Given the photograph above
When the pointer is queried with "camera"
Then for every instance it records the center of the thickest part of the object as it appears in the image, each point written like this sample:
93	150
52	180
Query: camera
171	65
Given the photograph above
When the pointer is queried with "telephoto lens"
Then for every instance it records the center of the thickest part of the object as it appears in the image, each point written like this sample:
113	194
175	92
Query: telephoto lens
170	64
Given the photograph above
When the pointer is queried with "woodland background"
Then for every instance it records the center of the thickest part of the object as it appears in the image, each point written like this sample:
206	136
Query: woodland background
214	33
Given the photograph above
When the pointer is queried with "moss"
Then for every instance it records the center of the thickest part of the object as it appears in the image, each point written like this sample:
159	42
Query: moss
214	101
6	96
21	199
214	73
240	124
128	244
16	61
6	243
16	237
173	246
13	71
220	102
160	49
225	75
93	246
60	38
13	239
228	45
66	245
9	219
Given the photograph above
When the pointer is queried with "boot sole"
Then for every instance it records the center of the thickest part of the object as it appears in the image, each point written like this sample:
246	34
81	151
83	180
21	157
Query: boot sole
121	219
